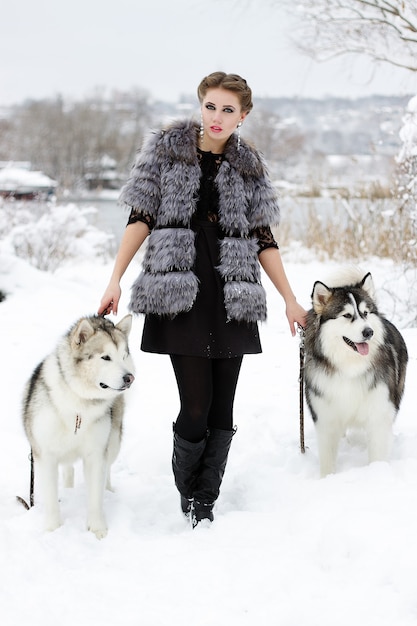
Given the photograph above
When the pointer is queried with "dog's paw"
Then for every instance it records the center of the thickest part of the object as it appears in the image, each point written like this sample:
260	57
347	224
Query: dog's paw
52	523
98	527
100	533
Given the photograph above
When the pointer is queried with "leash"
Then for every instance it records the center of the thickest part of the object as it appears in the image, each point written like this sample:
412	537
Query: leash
31	486
301	332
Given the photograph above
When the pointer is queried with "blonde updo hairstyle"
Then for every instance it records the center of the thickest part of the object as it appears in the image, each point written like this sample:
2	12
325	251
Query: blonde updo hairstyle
231	82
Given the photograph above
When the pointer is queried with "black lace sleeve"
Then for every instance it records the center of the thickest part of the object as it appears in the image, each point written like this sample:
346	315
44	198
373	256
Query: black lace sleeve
265	238
136	215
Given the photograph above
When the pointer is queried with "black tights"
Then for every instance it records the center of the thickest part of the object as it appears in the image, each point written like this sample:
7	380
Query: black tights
207	391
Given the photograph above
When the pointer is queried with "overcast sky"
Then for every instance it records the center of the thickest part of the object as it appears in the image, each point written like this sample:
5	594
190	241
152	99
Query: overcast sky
51	47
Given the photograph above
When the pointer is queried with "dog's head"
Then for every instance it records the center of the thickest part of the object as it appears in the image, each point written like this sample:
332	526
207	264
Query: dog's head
101	356
347	314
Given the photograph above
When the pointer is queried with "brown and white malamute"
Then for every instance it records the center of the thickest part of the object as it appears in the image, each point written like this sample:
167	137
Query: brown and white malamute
73	409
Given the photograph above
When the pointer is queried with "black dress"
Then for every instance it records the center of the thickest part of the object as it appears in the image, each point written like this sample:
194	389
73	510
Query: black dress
204	330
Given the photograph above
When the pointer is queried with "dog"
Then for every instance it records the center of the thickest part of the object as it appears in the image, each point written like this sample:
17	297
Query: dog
355	366
73	407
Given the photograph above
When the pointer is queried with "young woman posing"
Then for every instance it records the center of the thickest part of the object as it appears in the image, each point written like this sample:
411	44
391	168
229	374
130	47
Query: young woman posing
204	198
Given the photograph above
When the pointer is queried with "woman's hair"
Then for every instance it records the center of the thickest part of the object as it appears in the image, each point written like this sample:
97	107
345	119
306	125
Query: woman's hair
231	82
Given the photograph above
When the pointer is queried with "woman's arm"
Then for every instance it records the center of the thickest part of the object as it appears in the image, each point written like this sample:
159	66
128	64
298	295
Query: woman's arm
133	237
271	261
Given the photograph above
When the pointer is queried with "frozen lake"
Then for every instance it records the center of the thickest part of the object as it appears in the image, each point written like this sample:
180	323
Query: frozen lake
112	218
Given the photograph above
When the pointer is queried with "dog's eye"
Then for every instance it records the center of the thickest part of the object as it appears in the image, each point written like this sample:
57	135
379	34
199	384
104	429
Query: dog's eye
348	316
106	357
365	314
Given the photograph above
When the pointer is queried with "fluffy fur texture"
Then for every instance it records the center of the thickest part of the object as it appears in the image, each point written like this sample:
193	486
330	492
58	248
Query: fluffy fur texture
165	183
73	408
355	366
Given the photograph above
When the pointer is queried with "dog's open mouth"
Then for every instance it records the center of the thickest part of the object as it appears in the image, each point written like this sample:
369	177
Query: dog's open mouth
362	348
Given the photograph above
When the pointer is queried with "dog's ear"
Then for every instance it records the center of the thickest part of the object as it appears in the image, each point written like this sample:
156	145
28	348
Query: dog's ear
125	325
367	284
320	296
82	332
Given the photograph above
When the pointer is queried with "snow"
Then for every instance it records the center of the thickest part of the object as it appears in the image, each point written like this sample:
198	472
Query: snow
286	547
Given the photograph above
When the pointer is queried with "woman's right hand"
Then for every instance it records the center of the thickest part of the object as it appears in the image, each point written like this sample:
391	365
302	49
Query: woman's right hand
133	237
110	300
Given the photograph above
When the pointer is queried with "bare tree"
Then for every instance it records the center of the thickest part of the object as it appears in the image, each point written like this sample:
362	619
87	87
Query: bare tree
64	138
281	142
386	32
383	30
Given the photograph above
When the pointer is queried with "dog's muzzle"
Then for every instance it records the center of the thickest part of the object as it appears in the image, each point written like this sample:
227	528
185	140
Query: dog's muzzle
127	381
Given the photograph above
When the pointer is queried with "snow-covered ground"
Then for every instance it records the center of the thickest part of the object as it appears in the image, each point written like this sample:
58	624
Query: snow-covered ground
286	548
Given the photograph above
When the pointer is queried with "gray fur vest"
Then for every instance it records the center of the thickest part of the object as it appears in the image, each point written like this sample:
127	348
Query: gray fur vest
165	182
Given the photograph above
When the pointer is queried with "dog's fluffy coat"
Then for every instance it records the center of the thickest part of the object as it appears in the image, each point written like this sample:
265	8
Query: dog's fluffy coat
73	408
355	366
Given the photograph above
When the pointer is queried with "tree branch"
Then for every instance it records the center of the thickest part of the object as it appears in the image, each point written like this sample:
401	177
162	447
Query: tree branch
380	29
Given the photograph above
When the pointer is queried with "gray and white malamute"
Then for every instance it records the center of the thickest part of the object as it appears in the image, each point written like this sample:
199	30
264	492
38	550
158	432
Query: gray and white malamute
73	409
355	365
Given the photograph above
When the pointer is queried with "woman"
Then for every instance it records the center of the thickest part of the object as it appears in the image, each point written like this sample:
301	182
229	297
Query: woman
204	198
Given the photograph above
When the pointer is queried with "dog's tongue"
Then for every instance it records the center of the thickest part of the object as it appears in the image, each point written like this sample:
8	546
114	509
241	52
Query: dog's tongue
362	348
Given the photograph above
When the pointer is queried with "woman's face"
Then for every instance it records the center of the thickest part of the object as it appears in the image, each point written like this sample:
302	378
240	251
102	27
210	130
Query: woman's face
221	112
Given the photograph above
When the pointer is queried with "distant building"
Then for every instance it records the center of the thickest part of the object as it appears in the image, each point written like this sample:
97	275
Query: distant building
102	174
18	181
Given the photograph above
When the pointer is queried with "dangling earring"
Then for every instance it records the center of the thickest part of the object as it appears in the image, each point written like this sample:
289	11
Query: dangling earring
238	135
201	130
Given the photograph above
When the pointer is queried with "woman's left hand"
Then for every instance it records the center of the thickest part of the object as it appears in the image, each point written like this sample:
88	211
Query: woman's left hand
296	314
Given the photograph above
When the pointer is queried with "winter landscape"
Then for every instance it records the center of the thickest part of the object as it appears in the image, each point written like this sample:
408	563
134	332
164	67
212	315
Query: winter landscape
286	547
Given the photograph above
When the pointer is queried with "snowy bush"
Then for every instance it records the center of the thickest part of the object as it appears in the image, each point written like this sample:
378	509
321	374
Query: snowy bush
51	235
407	168
12	214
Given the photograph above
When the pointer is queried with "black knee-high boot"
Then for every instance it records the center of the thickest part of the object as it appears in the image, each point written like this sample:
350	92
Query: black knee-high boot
212	468
186	462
